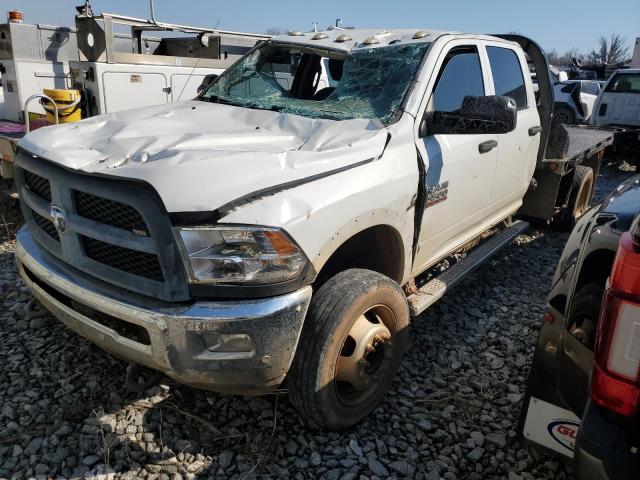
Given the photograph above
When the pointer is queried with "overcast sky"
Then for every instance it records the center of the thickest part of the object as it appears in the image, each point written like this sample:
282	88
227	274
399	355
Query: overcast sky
559	24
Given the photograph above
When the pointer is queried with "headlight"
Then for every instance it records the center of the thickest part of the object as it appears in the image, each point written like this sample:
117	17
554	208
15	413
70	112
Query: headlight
246	255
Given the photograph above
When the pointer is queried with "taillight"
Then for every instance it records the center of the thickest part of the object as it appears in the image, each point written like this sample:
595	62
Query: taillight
616	376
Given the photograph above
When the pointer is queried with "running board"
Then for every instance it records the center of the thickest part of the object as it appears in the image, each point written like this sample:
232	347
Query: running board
433	290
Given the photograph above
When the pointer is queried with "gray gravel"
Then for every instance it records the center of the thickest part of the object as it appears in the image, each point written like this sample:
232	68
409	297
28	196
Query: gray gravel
452	414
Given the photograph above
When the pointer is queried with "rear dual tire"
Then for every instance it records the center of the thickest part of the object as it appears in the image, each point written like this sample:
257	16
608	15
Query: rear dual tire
579	199
351	346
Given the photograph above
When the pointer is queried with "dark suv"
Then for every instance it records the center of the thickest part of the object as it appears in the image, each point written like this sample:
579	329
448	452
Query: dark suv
583	395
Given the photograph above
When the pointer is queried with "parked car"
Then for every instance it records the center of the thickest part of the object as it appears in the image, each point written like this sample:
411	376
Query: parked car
277	227
575	100
618	106
583	394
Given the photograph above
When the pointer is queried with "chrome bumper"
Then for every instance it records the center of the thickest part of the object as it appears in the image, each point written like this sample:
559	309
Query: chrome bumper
243	346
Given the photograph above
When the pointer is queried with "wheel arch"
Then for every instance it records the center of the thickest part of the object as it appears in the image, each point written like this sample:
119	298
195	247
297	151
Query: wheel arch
379	248
596	268
568	106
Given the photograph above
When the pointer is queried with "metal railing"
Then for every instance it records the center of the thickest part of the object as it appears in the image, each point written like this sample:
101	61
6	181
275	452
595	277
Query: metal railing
27	126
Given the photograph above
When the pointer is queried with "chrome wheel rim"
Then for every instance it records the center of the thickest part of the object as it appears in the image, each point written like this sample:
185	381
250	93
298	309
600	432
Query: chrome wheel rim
365	356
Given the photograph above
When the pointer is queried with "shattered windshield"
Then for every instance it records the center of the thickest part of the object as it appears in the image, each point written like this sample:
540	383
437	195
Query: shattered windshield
368	83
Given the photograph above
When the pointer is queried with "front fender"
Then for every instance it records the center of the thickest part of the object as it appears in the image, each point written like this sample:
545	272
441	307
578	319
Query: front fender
321	215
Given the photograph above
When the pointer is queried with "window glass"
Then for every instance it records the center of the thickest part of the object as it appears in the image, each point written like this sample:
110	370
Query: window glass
277	70
507	75
591	88
369	83
460	76
568	88
625	83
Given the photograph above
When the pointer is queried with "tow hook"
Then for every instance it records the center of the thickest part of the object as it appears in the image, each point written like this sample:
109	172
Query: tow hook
135	373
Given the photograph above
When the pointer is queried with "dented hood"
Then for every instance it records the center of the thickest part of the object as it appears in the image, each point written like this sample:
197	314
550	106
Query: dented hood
200	156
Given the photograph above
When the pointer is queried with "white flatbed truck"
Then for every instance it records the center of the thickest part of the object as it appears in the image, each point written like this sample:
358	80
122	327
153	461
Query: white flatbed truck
274	230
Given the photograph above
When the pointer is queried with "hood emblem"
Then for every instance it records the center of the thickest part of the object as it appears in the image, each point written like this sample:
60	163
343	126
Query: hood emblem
59	219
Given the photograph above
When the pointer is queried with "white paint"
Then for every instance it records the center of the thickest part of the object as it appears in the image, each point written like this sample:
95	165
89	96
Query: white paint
587	99
26	78
202	155
551	426
114	91
623	109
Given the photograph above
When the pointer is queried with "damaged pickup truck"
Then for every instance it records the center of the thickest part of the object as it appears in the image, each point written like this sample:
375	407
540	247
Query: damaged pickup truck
290	220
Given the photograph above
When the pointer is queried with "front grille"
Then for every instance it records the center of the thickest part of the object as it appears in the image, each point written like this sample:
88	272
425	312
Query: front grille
46	226
109	212
142	264
118	230
38	185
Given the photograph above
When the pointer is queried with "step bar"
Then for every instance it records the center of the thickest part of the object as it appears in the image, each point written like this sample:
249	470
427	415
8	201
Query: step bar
433	290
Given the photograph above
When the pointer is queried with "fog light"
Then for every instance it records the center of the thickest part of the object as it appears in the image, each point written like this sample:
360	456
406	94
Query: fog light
228	342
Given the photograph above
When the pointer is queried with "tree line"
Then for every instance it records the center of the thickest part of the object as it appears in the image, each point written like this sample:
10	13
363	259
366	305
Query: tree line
610	50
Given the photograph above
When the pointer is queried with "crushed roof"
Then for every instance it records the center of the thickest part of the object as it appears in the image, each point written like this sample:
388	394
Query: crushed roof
353	39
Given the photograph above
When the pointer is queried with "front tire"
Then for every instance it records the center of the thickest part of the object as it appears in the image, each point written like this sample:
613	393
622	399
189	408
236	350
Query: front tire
352	342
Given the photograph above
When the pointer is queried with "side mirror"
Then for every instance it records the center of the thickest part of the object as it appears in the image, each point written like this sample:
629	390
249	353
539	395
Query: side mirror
478	115
206	82
563	76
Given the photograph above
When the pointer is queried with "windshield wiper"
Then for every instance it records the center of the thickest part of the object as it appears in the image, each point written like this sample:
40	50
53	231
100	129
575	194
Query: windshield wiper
215	99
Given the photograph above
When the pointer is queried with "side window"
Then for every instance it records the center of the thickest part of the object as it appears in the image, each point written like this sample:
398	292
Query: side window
507	75
276	73
624	83
591	88
280	66
460	76
568	88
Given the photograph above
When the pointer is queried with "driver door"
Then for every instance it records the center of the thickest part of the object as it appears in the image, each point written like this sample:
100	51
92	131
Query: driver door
459	168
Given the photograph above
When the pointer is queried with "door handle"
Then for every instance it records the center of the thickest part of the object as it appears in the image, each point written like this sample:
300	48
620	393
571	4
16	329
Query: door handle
487	146
533	131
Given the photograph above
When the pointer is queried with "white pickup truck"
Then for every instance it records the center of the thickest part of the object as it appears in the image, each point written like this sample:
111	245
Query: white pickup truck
274	228
618	108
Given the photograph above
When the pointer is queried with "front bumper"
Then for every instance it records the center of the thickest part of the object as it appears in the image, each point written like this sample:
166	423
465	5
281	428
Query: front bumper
243	346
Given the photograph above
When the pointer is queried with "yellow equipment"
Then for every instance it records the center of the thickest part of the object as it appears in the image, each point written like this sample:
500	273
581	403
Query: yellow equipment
67	101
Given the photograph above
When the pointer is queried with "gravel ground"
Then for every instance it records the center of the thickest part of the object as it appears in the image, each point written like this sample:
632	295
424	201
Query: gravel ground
64	410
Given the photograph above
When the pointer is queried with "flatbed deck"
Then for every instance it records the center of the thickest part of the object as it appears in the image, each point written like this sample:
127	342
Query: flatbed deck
584	142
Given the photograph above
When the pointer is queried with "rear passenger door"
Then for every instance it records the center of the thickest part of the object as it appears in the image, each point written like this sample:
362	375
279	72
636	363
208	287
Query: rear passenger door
517	150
